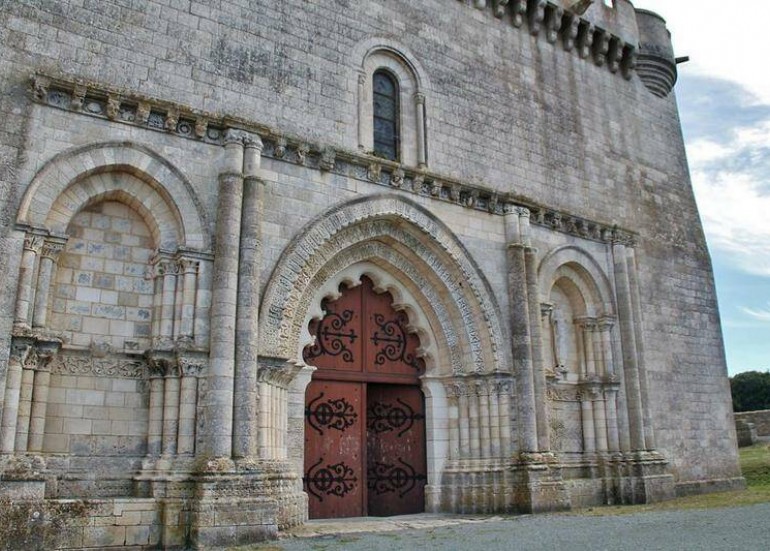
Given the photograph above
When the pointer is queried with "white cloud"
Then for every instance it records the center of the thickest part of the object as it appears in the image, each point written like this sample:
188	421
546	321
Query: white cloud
729	40
761	315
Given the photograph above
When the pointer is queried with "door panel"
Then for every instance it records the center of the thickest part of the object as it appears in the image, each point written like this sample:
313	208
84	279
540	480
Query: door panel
334	428
395	443
352	422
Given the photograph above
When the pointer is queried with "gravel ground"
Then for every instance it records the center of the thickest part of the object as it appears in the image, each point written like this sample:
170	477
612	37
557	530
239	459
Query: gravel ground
738	528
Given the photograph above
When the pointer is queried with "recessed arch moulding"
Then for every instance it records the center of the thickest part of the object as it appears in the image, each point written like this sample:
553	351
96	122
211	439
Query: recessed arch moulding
407	252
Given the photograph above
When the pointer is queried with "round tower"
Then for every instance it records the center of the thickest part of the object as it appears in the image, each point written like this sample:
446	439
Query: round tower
656	64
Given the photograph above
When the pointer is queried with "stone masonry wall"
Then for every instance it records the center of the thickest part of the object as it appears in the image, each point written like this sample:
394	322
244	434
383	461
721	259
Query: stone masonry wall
505	109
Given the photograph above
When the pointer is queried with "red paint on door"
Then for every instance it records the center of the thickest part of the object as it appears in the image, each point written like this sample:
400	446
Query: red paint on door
364	408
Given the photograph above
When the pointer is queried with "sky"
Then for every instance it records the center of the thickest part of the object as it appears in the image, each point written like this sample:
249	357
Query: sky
723	94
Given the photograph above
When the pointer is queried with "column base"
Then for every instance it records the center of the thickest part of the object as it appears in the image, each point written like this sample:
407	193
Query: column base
537	484
642	477
244	502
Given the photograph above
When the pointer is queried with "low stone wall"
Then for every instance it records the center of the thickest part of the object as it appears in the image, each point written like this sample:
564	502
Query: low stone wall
761	420
82	524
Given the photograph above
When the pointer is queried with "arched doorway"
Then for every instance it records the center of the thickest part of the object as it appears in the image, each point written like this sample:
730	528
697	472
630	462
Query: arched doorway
364	410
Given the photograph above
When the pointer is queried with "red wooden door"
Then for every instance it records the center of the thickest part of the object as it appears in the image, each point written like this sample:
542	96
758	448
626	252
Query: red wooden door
334	454
395	450
364	408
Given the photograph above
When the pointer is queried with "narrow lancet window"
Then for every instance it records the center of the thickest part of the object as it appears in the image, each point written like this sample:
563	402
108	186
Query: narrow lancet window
386	142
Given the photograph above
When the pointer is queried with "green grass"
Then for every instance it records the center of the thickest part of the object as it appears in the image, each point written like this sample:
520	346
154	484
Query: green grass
755	464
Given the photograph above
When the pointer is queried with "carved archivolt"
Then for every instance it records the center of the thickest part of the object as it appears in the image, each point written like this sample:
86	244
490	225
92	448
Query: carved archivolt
60	187
405	240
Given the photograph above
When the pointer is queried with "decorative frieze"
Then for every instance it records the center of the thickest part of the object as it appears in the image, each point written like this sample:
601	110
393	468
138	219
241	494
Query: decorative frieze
187	123
67	363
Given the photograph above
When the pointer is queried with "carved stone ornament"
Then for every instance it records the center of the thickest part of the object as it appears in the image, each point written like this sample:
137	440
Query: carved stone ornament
328	157
113	107
374	171
78	364
302	152
397	178
280	148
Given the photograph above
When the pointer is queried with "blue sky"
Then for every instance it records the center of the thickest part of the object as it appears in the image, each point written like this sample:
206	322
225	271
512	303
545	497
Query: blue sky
724	102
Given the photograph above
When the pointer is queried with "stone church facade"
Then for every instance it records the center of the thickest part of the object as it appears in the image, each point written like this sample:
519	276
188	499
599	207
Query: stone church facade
272	260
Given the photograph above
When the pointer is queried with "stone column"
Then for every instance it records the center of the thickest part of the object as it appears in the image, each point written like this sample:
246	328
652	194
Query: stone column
486	432
611	403
221	374
245	426
503	389
189	269
25	404
465	427
453	394
50	251
636	306
589	434
473	411
171	411
538	363
32	246
628	346
168	270
155	421
362	100
19	353
40	391
422	153
188	402
516	229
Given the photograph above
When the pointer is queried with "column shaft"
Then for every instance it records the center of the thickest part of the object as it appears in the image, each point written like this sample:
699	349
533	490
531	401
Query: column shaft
221	374
188	398
422	157
25	409
170	414
589	435
10	405
26	273
628	345
40	312
40	393
155	421
538	363
245	411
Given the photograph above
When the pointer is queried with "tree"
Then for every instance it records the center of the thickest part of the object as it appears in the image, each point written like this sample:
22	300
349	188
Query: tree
751	391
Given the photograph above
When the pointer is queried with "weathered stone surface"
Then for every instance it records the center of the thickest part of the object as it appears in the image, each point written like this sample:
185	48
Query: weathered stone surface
187	185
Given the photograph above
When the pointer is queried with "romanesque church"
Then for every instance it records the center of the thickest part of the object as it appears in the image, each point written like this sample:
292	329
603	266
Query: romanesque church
270	261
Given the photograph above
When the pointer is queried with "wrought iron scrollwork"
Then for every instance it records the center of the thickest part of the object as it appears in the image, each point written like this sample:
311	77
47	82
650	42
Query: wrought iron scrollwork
388	417
391	334
331	337
336	414
331	480
383	478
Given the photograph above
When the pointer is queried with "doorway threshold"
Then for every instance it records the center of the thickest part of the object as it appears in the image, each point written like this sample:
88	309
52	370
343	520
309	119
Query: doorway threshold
339	526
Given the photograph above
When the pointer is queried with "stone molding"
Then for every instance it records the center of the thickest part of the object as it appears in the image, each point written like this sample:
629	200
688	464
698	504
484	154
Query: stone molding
288	294
58	92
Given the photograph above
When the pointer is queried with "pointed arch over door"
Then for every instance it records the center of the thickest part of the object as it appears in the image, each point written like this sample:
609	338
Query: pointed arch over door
364	410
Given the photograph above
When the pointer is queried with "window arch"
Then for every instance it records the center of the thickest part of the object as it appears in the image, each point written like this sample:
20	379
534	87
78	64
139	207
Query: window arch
398	129
386	114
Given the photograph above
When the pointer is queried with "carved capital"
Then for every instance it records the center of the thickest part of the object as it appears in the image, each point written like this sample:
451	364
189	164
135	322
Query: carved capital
191	367
51	249
33	243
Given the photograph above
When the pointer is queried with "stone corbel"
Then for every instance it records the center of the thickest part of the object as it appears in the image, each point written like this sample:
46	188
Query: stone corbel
570	32
553	23
40	86
601	46
585	39
499	10
628	64
78	97
518	10
536	15
328	158
615	55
